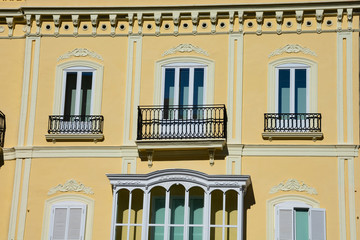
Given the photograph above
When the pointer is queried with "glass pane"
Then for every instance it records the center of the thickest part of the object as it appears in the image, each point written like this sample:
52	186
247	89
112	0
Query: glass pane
135	233
156	233
196	210
216	207
284	91
215	233
231	233
195	233
169	91
231	208
177	210
184	86
70	93
85	93
120	232
301	224
198	86
137	206
300	90
157	209
176	233
122	206
59	223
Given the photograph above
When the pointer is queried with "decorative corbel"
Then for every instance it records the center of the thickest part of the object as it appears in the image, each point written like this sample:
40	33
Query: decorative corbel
195	21
56	19
349	13
113	21
139	17
131	22
340	13
38	24
157	19
150	154
279	20
231	21
299	20
259	20
10	23
212	156
75	21
28	24
176	19
319	18
94	23
241	20
213	19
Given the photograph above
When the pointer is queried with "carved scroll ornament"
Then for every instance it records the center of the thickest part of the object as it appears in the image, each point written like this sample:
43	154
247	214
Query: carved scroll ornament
292	48
185	48
80	52
71	186
293	185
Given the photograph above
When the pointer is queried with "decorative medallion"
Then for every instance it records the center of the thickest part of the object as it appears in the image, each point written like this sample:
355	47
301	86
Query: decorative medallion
292	48
185	48
80	52
293	185
71	186
2	29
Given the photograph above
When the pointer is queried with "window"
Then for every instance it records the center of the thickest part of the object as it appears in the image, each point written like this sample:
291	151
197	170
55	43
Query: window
299	221
292	88
67	221
178	204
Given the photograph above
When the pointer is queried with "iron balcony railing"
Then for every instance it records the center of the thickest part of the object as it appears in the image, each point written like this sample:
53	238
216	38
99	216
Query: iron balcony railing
182	122
2	128
292	122
76	124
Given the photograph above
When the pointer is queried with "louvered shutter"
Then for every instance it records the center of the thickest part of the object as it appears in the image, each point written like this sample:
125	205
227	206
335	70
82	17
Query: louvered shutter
317	224
76	223
59	223
285	224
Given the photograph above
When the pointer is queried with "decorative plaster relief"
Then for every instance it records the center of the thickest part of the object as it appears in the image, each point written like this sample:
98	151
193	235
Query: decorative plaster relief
292	48
80	52
293	185
71	186
185	47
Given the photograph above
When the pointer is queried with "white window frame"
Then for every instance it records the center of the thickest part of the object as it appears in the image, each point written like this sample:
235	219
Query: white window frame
79	71
177	67
60	81
68	205
273	79
66	198
292	67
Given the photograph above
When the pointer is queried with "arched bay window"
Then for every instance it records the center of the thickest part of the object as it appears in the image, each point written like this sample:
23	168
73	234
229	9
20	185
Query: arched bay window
178	204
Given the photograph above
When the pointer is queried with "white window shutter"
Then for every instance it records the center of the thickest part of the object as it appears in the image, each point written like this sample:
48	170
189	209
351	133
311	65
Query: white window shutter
285	229
59	223
317	224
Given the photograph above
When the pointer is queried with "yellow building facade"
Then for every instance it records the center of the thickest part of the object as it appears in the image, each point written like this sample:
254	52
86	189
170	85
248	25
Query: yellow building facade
179	120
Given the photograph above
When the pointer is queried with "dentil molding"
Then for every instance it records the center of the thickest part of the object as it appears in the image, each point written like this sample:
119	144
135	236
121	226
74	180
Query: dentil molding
71	186
293	185
80	52
292	48
185	48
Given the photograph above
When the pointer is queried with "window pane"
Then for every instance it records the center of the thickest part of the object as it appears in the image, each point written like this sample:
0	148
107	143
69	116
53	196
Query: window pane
216	207
135	233
231	233
231	208
215	233
177	210
284	91
169	87
85	93
176	233
156	233
137	206
196	210
195	233
198	86
120	233
300	90
301	224
157	209
74	223
70	93
184	87
122	206
59	223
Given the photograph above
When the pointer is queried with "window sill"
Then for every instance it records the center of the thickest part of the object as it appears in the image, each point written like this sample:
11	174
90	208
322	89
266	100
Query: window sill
74	137
292	136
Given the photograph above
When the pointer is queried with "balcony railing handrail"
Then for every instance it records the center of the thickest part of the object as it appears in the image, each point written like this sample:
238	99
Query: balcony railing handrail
75	124
292	122
2	128
182	122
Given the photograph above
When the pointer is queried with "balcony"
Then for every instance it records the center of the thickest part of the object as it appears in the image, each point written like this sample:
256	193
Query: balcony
75	127
292	126
181	128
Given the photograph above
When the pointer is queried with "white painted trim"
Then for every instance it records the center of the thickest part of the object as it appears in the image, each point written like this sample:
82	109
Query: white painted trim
210	71
54	137
73	198
352	209
292	135
181	144
270	210
340	84
15	200
342	210
313	81
60	81
125	162
349	89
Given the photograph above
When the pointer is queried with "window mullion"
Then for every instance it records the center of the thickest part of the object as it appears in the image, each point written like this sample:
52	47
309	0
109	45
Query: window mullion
177	86
186	215
191	87
146	202
129	216
223	216
146	215
167	208
78	91
240	210
206	215
292	90
115	200
67	221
